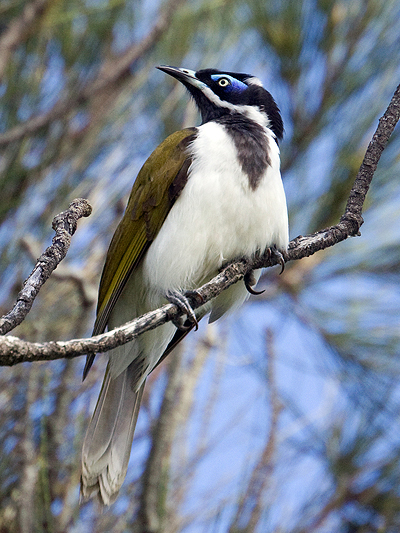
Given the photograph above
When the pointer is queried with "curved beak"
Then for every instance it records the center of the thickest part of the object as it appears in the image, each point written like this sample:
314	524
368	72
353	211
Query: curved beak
184	75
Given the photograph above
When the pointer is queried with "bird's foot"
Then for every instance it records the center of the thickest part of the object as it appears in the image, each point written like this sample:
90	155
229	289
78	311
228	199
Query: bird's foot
182	301
273	252
249	282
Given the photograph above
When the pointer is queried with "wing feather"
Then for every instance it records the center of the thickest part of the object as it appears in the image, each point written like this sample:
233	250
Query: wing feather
154	192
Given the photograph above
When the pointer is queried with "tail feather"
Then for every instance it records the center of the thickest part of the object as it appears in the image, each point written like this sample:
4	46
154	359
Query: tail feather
108	440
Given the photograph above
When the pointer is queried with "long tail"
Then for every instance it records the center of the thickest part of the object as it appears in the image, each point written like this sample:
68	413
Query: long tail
108	440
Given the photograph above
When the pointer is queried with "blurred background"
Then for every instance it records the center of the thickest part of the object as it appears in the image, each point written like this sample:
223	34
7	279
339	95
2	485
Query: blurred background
283	417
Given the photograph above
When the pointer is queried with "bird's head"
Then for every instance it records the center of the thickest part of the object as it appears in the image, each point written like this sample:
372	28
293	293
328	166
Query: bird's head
219	93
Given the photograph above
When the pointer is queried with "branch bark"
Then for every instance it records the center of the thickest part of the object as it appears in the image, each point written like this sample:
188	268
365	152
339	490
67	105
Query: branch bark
14	350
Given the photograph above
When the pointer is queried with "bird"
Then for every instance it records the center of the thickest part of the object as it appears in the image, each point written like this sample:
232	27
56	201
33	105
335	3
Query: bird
206	196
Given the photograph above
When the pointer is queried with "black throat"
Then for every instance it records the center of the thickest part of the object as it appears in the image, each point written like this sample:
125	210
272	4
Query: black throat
252	145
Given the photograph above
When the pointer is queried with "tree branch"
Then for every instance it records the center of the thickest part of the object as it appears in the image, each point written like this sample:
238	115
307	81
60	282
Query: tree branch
64	225
14	350
351	220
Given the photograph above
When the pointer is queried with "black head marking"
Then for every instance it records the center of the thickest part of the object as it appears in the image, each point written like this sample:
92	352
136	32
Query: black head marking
227	98
237	89
228	86
218	93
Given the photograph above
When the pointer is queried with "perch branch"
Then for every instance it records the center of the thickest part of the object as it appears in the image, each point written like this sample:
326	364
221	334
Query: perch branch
14	350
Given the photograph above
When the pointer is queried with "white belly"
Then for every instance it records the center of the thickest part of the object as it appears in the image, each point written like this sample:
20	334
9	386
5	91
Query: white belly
218	217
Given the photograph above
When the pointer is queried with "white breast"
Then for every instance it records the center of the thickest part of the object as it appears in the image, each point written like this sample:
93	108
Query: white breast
218	217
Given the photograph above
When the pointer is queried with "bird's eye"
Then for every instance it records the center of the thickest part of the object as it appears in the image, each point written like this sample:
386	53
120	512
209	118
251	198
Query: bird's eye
223	82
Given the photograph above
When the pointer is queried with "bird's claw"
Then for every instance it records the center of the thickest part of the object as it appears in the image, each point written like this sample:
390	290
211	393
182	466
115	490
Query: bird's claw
182	301
249	281
275	253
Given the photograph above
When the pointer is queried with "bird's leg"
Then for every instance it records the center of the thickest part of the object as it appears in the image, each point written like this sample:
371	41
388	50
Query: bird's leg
249	279
274	252
182	301
249	282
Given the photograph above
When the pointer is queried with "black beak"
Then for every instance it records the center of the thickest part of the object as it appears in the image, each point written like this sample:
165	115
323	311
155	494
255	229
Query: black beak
184	75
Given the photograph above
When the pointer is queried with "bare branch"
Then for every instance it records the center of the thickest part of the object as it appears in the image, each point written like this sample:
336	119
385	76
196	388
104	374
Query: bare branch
86	290
14	350
64	225
351	221
112	71
356	199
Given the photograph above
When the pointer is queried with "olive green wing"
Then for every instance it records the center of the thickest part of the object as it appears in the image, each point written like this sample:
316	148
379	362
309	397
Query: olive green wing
154	192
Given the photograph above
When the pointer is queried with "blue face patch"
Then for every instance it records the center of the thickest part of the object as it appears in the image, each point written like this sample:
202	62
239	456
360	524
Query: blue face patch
228	82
